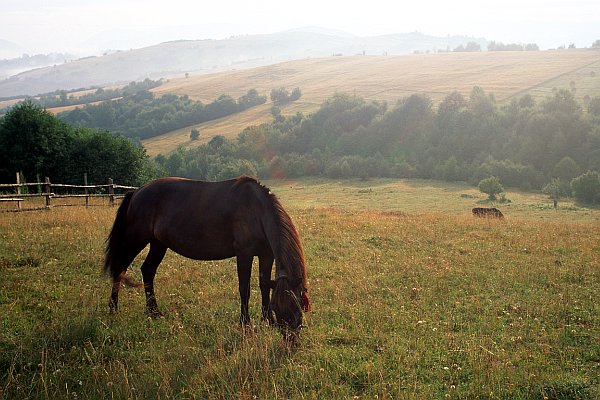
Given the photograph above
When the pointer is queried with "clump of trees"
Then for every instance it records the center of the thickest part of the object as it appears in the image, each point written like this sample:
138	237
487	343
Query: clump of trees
62	98
142	115
469	47
281	96
524	143
36	143
551	145
499	46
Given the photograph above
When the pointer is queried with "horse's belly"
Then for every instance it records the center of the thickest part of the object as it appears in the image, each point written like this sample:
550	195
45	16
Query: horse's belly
203	250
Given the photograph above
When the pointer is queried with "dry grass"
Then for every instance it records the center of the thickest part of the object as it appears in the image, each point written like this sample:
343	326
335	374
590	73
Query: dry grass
390	78
229	127
408	302
505	74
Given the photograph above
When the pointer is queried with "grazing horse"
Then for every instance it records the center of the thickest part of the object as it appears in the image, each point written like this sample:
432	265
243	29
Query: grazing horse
487	212
212	221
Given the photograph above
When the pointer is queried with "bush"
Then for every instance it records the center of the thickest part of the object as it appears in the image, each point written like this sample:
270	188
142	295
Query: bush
586	187
491	186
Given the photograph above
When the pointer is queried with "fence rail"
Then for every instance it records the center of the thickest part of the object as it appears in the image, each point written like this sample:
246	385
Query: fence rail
44	190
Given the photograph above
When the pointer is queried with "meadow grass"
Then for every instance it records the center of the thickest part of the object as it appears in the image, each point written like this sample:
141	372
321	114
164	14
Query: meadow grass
413	298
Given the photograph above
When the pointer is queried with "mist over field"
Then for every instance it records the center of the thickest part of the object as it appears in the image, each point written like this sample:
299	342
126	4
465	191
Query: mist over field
129	38
440	162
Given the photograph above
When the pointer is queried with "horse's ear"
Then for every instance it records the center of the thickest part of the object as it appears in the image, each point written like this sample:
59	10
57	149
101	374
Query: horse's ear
305	302
272	284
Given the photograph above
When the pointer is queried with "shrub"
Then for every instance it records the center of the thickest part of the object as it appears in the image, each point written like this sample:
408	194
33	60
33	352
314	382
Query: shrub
586	187
491	186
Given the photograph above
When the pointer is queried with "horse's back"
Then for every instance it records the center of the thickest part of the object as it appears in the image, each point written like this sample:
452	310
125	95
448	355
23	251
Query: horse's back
197	219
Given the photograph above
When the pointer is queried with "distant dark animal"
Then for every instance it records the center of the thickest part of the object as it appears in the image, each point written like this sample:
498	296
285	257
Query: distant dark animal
211	221
487	212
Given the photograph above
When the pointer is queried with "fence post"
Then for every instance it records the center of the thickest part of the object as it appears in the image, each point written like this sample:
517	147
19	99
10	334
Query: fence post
111	192
18	190
87	199
47	191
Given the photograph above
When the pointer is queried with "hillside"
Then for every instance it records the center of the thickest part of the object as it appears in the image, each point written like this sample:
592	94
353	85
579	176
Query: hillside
388	78
204	56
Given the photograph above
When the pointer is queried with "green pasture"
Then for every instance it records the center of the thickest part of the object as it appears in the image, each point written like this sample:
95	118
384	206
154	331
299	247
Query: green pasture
412	297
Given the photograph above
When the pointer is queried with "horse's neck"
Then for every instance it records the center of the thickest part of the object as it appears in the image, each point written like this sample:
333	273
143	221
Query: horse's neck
283	238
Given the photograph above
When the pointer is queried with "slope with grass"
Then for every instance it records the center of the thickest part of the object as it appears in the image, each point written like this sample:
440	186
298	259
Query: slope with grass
504	74
412	298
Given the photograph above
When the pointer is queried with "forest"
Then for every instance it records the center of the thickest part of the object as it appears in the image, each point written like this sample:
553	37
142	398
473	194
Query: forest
552	145
525	144
141	115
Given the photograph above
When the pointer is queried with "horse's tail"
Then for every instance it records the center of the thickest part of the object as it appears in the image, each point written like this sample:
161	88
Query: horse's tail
115	243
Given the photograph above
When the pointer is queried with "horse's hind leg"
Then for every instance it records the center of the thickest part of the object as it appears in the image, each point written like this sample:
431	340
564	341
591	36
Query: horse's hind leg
119	275
153	259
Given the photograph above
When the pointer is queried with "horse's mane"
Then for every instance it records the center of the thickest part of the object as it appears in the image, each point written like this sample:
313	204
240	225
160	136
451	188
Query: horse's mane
286	245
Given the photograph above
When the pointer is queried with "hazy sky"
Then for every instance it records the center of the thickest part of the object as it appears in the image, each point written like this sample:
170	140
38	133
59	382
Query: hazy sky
68	25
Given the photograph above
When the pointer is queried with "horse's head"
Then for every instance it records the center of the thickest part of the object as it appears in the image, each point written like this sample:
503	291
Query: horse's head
288	301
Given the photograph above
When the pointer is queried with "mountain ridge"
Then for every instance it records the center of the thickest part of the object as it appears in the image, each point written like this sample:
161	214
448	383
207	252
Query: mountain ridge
180	57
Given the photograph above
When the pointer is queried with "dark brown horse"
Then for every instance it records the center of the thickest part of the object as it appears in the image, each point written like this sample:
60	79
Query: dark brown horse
487	212
212	221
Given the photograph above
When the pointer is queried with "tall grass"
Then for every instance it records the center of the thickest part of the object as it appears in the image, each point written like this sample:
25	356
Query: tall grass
406	304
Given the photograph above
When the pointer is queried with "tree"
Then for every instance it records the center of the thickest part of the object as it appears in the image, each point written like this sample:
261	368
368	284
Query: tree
194	134
526	101
276	113
566	169
34	141
491	186
470	47
295	95
532	47
105	155
553	190
594	107
279	96
586	187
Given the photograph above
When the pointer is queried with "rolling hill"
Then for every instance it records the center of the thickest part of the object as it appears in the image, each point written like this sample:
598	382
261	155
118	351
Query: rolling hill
505	74
177	58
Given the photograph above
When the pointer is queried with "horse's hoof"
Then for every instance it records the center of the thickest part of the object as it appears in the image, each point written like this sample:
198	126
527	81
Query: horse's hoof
154	314
268	319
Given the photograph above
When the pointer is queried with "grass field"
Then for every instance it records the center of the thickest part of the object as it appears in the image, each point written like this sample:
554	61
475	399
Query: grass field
412	298
505	74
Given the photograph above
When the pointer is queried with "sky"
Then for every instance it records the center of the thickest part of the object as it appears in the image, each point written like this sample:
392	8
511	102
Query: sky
79	26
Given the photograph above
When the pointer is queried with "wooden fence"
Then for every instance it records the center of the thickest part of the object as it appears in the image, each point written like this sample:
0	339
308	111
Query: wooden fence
20	193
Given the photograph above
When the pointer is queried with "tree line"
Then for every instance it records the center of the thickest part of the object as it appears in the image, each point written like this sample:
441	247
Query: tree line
141	115
64	98
551	145
525	144
36	144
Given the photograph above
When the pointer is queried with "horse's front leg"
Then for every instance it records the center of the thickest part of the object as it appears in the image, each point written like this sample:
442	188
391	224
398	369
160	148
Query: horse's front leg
265	264
153	259
244	270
